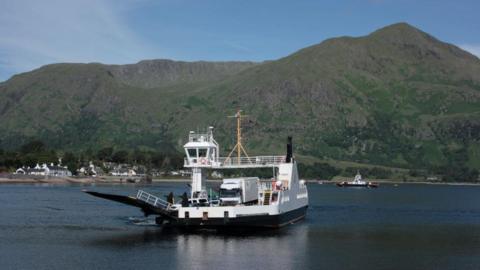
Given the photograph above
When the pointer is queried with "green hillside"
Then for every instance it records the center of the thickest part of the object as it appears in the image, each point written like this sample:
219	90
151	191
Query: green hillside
397	97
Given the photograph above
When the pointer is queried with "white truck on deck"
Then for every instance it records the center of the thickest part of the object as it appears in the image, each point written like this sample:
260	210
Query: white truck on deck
235	191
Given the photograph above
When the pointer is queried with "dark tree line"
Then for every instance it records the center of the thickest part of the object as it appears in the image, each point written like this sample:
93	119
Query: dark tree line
317	170
28	154
456	169
36	151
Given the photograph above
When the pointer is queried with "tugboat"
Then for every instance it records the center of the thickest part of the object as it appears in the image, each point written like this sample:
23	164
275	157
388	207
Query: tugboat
242	202
357	182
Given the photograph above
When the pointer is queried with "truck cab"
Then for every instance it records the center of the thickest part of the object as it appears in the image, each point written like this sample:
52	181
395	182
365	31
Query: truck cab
236	191
230	193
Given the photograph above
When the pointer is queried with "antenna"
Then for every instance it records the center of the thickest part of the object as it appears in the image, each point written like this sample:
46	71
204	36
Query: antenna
238	147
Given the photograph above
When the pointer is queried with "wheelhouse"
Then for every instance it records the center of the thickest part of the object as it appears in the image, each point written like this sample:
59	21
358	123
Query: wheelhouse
201	149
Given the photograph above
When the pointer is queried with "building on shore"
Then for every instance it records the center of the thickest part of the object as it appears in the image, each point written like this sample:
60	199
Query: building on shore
90	170
123	172
45	170
181	173
129	170
217	174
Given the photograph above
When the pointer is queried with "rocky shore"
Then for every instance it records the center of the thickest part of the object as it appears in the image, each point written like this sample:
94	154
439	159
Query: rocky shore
54	180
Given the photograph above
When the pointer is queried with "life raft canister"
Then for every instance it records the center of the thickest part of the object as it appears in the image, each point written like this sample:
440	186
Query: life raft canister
278	185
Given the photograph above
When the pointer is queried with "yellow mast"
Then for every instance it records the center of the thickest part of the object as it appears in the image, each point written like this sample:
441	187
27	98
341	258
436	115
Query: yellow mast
238	146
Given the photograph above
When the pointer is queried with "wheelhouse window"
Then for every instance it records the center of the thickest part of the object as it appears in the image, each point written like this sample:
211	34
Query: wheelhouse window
202	152
192	153
229	193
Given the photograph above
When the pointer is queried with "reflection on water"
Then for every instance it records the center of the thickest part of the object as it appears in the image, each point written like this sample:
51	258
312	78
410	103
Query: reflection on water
284	249
406	227
258	251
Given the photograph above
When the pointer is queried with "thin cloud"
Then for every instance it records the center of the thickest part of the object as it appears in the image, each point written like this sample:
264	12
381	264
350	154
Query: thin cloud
35	33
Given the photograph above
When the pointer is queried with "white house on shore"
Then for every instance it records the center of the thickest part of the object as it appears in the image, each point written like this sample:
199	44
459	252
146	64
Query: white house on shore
91	170
123	172
45	170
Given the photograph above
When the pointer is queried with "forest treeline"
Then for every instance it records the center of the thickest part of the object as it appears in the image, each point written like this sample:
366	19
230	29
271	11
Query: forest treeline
36	152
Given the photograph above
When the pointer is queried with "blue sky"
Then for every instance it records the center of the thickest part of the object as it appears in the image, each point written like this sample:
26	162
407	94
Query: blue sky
34	33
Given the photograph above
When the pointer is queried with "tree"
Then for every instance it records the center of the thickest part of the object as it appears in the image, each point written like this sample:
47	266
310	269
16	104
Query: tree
157	159
71	161
139	157
176	162
88	155
318	170
380	173
120	156
105	154
33	147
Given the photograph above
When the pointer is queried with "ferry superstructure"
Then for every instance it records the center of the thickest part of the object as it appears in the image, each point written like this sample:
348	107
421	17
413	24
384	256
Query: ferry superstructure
242	202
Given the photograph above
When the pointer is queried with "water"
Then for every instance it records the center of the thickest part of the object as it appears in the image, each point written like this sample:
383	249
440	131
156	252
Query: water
404	227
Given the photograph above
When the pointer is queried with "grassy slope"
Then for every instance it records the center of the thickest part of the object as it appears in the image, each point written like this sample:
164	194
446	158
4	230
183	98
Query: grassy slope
397	97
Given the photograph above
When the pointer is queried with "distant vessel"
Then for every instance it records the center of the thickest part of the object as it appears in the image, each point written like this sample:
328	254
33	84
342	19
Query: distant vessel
242	202
357	182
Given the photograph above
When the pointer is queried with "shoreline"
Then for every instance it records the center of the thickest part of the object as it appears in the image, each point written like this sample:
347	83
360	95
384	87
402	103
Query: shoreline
397	182
118	180
91	180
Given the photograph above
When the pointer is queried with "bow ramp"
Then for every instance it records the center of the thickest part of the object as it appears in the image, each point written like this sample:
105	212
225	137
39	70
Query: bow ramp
153	200
150	204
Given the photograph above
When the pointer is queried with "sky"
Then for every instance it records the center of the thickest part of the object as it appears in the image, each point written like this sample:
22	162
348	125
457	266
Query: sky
35	33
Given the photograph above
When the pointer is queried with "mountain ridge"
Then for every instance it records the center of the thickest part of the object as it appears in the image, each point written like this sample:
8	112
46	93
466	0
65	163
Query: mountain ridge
396	97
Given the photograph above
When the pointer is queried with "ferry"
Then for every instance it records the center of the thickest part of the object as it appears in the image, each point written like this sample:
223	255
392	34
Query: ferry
242	202
357	182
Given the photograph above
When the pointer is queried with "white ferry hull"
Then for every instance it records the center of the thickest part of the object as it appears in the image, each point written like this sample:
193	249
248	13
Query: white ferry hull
278	214
256	216
251	221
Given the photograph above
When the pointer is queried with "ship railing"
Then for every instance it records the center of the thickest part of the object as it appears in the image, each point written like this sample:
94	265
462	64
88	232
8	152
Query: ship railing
254	160
235	162
152	199
198	137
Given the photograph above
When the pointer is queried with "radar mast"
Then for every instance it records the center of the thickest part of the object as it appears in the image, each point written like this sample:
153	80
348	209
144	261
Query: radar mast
238	147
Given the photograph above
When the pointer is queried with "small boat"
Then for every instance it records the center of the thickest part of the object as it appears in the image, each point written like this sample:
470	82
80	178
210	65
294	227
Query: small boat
357	182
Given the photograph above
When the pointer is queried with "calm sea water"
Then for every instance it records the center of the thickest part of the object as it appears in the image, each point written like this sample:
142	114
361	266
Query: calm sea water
404	227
